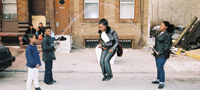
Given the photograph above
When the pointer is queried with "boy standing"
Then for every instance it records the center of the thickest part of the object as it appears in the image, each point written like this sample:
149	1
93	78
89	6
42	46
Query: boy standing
48	56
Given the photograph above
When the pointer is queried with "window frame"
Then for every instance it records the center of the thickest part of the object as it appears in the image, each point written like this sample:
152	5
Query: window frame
127	3
4	3
136	18
84	2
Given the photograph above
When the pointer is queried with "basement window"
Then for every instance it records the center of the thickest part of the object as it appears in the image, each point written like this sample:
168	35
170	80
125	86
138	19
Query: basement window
126	43
91	43
9	10
91	8
127	9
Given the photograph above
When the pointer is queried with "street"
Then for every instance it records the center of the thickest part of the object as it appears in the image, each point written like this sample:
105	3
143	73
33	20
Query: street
79	70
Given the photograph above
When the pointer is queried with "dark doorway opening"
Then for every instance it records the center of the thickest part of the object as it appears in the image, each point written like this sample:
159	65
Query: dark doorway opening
36	7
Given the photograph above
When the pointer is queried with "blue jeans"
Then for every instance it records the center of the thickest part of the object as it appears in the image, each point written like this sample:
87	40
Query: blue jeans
48	75
105	61
160	69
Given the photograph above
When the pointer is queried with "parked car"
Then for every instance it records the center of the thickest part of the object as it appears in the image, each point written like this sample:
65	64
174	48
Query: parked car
6	58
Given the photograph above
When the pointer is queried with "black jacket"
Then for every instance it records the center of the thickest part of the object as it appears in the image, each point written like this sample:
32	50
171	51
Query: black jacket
29	31
162	45
114	40
41	30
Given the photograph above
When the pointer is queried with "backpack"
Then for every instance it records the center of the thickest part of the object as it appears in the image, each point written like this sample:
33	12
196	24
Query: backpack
119	48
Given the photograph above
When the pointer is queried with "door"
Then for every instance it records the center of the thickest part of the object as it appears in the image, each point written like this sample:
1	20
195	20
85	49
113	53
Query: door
62	16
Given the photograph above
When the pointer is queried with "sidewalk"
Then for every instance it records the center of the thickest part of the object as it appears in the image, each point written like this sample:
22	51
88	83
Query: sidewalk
84	60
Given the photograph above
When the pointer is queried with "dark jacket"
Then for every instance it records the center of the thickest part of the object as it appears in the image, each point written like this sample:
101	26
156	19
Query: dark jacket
29	31
162	45
41	30
32	56
48	49
112	35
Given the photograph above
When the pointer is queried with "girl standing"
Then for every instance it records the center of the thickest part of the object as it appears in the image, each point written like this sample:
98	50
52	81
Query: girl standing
33	62
162	51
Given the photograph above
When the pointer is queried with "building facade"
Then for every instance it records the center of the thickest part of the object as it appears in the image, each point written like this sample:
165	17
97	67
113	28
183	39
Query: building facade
79	18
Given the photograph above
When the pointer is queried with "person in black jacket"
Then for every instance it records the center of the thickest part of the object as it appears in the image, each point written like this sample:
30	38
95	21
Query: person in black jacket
40	30
48	55
109	43
162	51
30	30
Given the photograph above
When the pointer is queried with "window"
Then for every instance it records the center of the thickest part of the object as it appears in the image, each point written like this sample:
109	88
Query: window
127	9
9	10
91	9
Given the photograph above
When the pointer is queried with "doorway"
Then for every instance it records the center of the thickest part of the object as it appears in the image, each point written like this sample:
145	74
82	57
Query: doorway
37	19
37	12
62	16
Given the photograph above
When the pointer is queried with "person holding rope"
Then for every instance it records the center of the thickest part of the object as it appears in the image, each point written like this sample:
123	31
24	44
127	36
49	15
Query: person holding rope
48	55
162	51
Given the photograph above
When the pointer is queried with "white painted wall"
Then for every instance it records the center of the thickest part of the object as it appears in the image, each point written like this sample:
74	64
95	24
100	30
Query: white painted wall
178	12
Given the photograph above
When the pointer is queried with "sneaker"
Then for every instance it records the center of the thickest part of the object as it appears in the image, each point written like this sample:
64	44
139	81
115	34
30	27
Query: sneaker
109	77
54	81
155	82
48	83
38	88
104	78
161	86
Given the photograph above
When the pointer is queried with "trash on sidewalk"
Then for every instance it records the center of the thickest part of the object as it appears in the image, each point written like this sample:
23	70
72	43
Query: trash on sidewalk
193	46
175	50
189	38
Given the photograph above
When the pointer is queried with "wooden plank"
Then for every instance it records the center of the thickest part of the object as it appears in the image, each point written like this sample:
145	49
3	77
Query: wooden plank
191	36
186	30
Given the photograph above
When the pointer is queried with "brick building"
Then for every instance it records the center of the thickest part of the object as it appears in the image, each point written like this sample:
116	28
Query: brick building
58	14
